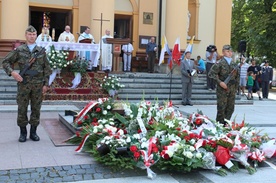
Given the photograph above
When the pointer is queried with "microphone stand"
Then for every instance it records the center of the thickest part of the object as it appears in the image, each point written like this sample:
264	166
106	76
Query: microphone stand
171	73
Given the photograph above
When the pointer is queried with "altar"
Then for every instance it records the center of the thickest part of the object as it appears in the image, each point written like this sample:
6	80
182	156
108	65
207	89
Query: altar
93	48
89	86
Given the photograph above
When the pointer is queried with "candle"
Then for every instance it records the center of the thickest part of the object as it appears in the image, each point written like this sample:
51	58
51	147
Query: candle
53	34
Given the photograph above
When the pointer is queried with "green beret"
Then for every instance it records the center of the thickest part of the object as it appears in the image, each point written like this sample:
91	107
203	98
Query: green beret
31	29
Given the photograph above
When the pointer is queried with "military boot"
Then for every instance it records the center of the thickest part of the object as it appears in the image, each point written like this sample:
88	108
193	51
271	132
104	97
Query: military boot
23	134
33	134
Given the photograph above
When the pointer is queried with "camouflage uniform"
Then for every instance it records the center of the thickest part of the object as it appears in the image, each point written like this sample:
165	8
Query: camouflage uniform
31	88
225	98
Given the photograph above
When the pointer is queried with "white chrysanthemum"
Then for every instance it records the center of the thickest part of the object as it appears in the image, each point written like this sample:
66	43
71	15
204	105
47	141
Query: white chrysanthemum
95	130
108	107
100	126
192	149
104	112
189	154
170	153
192	141
137	136
198	155
170	124
128	140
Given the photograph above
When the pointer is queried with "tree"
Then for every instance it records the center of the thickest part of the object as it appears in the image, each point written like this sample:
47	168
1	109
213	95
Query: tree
255	22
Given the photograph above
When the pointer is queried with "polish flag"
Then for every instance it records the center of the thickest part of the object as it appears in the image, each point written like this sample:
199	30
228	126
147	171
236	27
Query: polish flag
176	54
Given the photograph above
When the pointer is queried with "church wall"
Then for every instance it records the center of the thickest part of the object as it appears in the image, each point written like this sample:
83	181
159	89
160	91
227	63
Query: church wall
123	5
206	27
84	15
106	7
223	23
214	19
148	7
0	16
176	22
55	2
8	20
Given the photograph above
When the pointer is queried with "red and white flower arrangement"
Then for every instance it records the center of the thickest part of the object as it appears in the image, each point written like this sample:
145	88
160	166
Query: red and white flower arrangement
162	136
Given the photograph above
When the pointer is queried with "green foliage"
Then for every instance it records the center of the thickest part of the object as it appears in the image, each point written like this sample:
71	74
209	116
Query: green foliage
78	65
113	160
255	22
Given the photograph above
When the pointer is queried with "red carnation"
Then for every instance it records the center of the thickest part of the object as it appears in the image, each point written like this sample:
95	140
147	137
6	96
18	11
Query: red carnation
95	123
95	119
198	121
85	117
187	138
166	156
79	122
133	148
98	109
151	122
136	155
77	133
155	149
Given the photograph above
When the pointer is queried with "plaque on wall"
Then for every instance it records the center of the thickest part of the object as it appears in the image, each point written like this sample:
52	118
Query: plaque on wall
147	18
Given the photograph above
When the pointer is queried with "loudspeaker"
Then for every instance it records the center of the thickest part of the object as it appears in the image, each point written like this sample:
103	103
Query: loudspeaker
242	46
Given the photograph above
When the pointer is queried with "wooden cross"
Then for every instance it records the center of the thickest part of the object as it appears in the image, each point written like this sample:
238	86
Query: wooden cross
101	29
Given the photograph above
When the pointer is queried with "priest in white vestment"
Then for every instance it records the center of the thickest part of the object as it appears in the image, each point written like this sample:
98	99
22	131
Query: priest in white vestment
87	55
44	36
66	36
106	53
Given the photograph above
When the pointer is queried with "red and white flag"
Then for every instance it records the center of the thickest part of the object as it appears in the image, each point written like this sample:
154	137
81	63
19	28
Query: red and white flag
176	54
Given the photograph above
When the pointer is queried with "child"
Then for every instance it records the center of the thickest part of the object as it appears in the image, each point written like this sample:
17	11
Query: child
250	83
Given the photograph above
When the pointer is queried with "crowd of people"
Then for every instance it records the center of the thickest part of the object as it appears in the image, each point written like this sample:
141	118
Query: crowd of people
228	77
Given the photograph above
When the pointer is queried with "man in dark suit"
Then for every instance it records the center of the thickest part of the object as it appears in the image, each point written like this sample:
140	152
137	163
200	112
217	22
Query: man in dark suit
187	73
267	75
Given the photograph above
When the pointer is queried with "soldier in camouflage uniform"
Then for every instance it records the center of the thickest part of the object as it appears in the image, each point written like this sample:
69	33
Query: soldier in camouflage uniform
30	87
225	93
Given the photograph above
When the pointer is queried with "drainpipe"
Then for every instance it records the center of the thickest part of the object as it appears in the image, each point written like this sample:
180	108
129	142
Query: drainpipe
159	27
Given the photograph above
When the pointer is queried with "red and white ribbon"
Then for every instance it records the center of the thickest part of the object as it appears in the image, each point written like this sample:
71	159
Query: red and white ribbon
79	149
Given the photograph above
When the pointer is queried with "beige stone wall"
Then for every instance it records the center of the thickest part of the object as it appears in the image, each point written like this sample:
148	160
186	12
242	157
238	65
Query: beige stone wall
146	6
213	27
85	18
123	6
13	25
55	2
176	22
108	14
223	23
0	16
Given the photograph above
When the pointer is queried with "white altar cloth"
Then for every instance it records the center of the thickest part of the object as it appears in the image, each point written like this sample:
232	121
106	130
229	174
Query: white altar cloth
93	48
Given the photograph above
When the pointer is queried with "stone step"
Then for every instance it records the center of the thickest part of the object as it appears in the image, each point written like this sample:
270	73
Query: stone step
161	86
49	102
150	75
165	96
165	90
8	89
83	103
158	81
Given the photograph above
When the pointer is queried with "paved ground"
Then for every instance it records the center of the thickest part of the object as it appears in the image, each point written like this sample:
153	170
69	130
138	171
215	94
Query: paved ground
43	162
